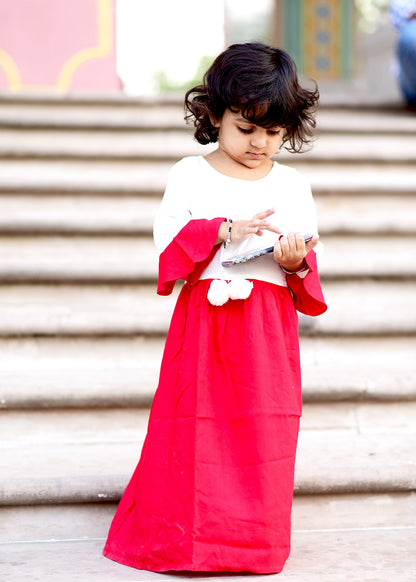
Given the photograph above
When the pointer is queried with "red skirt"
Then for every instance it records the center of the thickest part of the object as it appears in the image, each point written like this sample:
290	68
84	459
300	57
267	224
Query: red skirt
213	489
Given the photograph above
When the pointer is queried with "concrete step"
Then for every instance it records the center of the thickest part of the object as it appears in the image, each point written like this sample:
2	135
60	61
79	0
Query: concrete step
134	214
333	540
77	258
167	113
58	213
172	145
363	307
62	372
365	121
124	258
125	114
361	215
89	455
317	512
149	177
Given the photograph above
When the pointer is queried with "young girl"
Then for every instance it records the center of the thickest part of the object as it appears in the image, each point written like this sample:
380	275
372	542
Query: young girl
214	485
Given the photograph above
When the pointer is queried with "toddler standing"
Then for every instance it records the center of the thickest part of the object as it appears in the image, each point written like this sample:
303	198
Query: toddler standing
213	489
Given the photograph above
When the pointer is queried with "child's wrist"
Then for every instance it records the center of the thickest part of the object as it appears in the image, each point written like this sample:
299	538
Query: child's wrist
294	269
222	232
229	229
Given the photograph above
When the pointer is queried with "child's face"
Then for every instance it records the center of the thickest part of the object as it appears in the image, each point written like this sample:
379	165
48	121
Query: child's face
245	143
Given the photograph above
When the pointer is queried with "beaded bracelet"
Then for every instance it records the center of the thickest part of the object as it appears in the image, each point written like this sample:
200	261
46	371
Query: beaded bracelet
304	267
228	241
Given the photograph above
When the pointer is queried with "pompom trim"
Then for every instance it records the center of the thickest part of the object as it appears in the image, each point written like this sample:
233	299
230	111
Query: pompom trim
220	291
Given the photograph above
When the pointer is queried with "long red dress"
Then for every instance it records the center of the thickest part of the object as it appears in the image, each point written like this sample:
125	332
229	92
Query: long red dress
214	485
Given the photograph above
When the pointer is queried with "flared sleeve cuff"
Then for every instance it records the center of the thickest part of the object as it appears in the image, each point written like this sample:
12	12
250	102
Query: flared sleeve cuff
188	254
307	292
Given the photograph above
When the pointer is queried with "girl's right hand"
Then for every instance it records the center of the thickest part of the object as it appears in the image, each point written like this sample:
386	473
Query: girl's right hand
241	229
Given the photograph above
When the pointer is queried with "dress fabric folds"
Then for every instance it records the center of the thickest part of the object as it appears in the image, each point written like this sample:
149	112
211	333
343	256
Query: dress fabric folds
213	488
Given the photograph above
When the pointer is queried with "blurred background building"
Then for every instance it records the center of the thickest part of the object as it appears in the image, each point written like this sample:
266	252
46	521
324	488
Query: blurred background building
151	47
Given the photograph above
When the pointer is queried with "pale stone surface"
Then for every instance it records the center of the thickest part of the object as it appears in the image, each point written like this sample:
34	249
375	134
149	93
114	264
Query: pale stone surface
61	114
77	214
126	258
53	258
150	177
76	176
79	309
363	307
163	113
48	213
359	215
90	455
376	556
162	144
366	178
362	538
358	367
123	371
367	307
373	256
310	512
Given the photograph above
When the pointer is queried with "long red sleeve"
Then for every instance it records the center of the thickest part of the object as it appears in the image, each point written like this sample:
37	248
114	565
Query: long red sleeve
188	254
307	292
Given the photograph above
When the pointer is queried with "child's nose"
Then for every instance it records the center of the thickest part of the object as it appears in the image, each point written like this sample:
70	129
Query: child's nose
258	141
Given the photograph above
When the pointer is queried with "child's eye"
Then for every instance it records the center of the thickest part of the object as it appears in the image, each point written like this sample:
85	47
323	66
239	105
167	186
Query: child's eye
274	131
243	130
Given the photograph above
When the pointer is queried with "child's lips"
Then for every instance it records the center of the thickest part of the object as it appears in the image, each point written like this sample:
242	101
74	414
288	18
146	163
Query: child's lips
255	155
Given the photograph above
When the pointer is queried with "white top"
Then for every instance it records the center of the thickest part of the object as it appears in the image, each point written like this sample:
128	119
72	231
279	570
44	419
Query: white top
196	190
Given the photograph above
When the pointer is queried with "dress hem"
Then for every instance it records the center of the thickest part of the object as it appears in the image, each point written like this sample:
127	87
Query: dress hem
131	563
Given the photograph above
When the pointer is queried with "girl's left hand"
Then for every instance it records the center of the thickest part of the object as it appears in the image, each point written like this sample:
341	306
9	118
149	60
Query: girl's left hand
290	250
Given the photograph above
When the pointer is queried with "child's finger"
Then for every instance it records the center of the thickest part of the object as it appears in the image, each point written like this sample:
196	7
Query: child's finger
292	243
274	229
299	242
260	220
264	214
312	243
283	245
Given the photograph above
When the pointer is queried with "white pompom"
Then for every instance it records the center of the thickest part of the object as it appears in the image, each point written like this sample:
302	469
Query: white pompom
239	288
218	292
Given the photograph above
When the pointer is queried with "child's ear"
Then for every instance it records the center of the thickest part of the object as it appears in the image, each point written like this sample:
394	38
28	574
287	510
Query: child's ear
214	121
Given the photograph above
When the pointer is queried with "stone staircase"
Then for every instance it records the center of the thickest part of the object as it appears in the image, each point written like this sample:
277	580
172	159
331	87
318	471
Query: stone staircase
82	332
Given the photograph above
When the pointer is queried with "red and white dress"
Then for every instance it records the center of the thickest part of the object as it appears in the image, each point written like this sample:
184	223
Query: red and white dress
213	489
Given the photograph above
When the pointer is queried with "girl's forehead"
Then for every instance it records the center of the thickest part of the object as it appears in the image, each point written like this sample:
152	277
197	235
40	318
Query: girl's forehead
251	118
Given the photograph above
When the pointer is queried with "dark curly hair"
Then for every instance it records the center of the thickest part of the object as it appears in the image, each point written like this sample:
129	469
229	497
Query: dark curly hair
262	83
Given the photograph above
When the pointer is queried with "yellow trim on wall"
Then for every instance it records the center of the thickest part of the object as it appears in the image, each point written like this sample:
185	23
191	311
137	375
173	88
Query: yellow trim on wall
102	49
11	70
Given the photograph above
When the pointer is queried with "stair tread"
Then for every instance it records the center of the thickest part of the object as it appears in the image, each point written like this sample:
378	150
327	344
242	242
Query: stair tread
128	113
342	448
71	214
77	214
151	176
115	258
135	308
381	554
70	372
360	215
311	513
41	538
162	144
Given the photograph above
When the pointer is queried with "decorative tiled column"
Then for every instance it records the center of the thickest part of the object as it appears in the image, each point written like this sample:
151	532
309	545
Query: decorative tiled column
318	34
57	46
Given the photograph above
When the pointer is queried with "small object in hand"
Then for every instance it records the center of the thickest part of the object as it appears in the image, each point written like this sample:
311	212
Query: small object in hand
239	259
